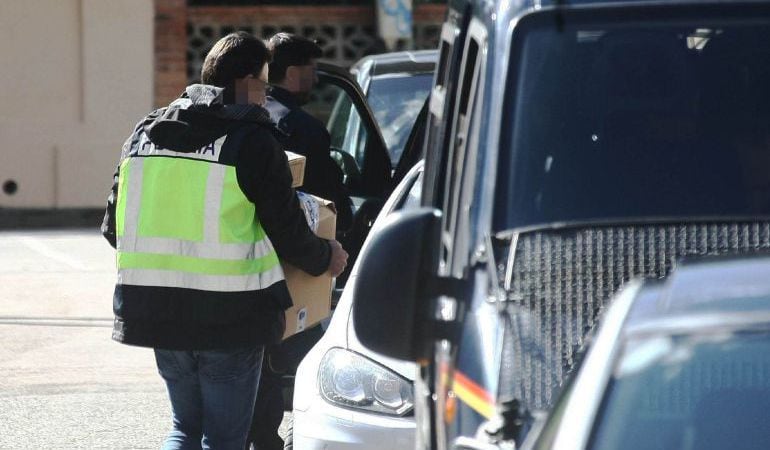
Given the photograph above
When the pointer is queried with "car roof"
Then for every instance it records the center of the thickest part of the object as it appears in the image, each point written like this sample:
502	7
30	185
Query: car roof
704	293
505	9
397	62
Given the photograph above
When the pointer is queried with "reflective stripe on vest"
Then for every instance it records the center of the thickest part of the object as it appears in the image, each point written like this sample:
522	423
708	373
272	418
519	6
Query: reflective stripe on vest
185	223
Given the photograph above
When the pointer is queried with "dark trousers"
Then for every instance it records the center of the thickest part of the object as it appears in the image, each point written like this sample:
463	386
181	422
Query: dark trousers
211	395
268	413
280	360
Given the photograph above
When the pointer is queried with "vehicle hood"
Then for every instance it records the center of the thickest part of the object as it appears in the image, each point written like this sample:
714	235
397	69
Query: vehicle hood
406	369
343	316
342	325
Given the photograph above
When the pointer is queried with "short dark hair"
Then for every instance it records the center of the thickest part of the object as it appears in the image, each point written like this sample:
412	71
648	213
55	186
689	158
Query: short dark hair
290	50
233	57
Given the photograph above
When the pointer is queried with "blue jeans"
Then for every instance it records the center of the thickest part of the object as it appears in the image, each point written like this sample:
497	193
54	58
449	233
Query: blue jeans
212	396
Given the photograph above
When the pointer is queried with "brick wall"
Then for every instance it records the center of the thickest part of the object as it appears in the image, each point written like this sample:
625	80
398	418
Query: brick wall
183	34
170	49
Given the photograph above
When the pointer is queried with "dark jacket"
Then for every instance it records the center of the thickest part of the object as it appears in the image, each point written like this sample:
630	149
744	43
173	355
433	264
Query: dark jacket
306	135
190	319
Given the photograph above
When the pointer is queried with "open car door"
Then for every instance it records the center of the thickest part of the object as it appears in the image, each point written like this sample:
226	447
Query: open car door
357	146
356	140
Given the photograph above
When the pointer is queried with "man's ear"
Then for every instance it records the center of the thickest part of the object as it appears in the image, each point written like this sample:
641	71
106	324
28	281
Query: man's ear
241	91
292	75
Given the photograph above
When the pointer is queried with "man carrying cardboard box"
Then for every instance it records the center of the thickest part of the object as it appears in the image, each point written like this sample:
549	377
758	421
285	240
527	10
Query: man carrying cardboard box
200	211
292	77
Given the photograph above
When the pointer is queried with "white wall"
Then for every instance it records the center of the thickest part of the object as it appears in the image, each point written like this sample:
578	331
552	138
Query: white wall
76	76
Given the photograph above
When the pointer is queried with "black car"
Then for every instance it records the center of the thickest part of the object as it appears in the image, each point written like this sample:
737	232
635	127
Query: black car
571	146
396	86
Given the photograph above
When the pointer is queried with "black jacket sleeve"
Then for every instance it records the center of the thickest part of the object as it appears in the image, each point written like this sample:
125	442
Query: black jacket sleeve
264	176
323	177
108	224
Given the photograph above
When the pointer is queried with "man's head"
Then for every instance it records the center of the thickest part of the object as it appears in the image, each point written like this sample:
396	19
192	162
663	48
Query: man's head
238	63
294	64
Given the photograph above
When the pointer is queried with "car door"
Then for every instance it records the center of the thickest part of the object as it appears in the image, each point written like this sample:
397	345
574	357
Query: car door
357	146
356	140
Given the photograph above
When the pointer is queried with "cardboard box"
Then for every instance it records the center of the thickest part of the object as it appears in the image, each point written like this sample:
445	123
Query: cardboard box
312	296
297	167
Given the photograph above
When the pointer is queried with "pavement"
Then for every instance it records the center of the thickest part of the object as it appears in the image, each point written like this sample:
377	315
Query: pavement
63	382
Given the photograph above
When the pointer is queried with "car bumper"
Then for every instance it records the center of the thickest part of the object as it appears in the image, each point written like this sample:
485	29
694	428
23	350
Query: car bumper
324	426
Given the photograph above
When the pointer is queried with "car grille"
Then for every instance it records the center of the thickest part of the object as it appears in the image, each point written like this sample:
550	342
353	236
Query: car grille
565	277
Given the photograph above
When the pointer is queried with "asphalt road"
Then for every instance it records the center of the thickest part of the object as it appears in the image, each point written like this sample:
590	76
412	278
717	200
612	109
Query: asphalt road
63	382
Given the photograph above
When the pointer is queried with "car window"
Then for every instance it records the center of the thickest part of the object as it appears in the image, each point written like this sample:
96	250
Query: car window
462	156
348	134
613	120
705	391
396	101
342	119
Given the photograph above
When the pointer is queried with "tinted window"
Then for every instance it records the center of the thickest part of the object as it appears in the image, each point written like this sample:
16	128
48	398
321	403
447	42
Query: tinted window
346	129
689	392
628	120
396	101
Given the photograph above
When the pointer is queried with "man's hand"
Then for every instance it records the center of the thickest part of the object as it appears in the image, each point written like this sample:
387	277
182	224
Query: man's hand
338	260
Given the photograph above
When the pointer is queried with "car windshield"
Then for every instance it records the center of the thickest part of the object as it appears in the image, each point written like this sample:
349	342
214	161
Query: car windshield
396	101
707	391
627	120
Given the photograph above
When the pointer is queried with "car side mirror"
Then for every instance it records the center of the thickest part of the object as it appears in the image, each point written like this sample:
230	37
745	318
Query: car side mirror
390	306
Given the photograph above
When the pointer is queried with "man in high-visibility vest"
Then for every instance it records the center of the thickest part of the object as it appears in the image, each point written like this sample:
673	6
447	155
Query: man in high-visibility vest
200	211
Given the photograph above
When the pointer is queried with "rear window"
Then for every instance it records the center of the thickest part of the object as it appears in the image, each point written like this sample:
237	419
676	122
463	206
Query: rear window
396	101
654	119
709	391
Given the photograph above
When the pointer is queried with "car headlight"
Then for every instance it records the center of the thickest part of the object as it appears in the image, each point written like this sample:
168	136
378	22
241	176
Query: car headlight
353	381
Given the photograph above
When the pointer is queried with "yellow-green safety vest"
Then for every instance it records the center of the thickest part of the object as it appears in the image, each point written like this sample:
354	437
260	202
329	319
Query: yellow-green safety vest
182	221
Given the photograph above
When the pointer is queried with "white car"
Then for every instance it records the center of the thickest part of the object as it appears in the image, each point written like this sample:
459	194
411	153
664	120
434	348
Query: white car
346	396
